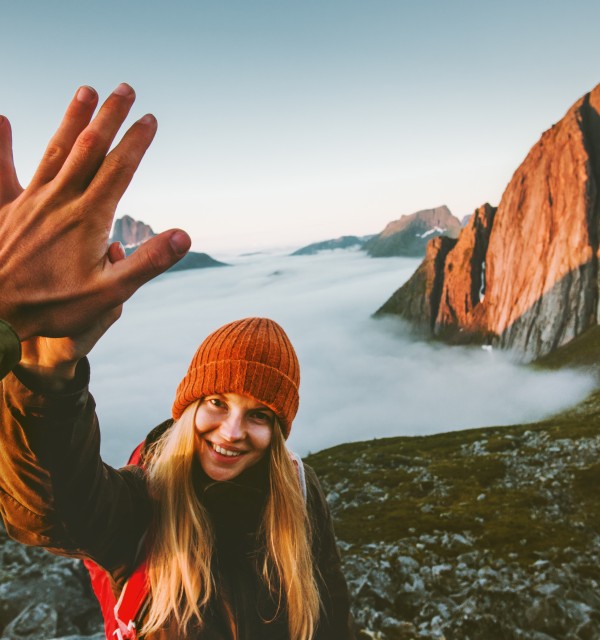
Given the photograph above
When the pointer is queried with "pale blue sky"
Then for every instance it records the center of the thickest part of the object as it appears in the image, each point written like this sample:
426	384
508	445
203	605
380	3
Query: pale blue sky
288	122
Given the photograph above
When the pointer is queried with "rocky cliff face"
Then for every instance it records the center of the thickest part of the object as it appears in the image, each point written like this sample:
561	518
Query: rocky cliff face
526	275
130	232
409	235
419	299
463	279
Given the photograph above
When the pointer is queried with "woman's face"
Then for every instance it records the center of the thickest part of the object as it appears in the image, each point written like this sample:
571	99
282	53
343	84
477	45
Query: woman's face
233	432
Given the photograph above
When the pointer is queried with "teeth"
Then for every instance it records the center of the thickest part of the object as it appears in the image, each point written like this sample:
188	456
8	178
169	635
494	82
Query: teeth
225	452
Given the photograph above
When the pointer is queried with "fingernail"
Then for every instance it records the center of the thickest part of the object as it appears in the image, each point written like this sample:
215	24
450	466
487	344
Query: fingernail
147	119
86	95
123	89
2	119
180	242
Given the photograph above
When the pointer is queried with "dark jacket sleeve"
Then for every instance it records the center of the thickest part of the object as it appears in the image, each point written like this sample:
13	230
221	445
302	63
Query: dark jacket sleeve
10	348
55	491
336	620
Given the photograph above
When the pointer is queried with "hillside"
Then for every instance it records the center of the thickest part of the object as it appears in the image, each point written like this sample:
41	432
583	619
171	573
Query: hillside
481	534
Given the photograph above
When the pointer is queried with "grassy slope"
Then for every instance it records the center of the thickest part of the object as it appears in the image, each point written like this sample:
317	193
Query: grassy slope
433	486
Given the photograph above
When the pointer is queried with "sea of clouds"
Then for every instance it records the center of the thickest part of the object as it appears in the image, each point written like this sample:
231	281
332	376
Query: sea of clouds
361	378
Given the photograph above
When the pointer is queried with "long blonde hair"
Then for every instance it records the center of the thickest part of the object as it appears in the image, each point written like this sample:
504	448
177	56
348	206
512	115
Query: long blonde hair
182	539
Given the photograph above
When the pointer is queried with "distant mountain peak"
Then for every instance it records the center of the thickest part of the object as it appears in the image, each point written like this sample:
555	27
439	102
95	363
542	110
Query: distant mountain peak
130	232
409	235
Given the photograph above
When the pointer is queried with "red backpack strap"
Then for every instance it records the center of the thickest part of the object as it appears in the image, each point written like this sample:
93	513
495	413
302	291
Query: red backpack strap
136	456
101	584
130	603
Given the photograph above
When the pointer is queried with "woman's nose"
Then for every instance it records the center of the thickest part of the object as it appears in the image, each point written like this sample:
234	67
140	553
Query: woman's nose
232	428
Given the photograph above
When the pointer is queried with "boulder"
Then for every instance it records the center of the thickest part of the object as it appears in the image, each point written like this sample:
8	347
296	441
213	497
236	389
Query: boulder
35	622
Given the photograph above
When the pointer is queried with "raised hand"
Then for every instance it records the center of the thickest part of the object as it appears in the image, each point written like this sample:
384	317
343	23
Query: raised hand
56	277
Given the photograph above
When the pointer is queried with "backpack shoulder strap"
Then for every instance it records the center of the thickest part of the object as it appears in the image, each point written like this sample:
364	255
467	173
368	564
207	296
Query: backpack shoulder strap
132	598
297	460
136	455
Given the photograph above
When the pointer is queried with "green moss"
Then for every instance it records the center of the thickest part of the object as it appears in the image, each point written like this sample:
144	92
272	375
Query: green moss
586	483
434	485
481	471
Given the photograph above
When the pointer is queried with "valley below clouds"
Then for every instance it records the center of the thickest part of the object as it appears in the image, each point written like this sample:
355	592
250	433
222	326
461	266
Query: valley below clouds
361	378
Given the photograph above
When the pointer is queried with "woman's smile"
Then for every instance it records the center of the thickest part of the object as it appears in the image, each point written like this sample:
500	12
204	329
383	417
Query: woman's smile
225	452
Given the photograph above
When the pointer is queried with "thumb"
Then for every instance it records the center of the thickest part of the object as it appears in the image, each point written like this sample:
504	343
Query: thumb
149	260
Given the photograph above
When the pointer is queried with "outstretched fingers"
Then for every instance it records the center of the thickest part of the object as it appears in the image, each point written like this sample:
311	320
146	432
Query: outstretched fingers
93	142
9	183
76	119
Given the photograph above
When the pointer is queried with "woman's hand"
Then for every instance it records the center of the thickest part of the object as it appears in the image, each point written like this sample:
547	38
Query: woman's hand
55	359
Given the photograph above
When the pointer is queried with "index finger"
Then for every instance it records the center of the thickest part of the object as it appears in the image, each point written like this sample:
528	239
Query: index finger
76	118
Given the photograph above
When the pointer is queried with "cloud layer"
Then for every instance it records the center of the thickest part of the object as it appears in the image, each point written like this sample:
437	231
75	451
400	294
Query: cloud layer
361	378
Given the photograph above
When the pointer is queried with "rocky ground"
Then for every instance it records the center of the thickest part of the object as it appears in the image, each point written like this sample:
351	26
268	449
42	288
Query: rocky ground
43	597
474	535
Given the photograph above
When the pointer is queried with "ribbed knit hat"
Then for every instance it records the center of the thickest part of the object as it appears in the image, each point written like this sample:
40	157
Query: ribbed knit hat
252	357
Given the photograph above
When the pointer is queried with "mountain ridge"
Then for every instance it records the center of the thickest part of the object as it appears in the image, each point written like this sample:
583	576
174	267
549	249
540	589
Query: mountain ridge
407	236
410	234
535	256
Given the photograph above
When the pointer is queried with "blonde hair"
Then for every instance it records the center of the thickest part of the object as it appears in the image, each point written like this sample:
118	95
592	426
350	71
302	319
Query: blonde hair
182	539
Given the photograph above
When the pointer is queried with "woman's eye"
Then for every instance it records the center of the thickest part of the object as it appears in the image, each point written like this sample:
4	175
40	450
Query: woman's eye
215	402
263	416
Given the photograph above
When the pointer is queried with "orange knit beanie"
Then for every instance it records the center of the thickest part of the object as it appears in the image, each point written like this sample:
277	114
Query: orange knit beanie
252	357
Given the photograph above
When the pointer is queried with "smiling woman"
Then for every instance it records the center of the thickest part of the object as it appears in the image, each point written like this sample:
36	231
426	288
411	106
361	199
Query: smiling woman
218	533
